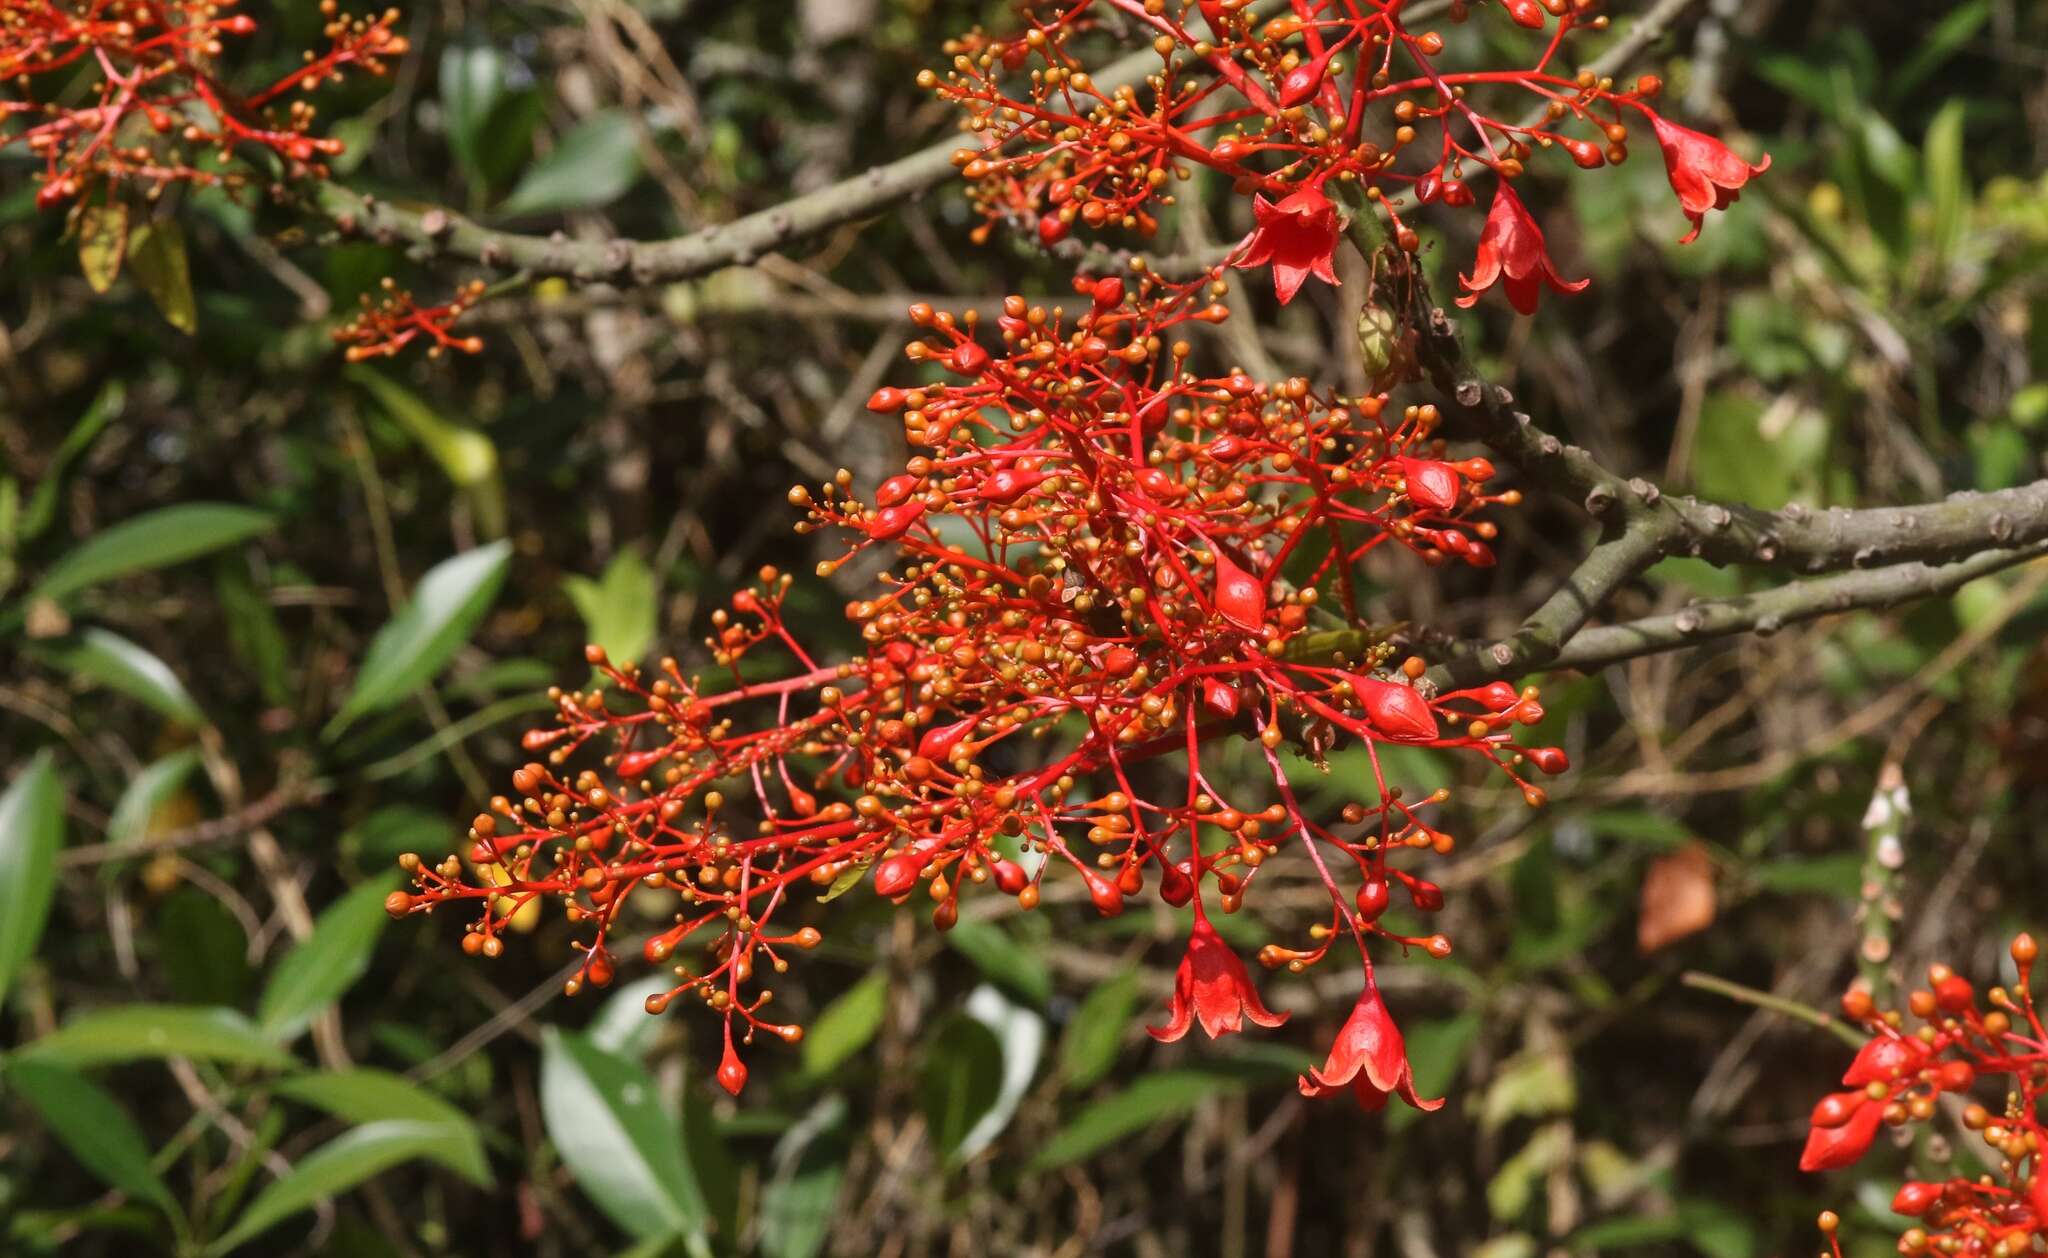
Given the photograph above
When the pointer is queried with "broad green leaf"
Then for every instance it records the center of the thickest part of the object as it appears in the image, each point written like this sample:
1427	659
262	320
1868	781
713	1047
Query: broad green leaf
1003	959
364	1095
1020	1032
625	1149
31	831
110	660
472	81
102	243
154	539
962	1076
844	1027
413	647
203	950
138	1031
146	792
326	963
157	261
619	610
1088	1046
42	505
1153	1099
93	1126
333	1169
593	165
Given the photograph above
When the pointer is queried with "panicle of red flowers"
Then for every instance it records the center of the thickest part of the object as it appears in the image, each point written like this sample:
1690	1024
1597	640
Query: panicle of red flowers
1106	560
1334	94
384	327
1964	1050
151	104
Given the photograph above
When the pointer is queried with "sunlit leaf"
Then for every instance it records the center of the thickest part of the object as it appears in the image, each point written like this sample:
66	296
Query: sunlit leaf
146	792
154	539
845	1026
141	1031
102	243
590	166
108	659
325	964
158	263
363	1095
623	1146
31	831
333	1169
619	611
413	647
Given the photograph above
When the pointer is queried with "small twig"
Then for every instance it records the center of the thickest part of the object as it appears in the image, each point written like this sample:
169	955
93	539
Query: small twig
1776	1004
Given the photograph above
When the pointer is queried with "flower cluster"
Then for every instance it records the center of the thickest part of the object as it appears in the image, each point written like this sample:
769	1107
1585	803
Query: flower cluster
1900	1077
384	327
131	96
1106	561
1337	93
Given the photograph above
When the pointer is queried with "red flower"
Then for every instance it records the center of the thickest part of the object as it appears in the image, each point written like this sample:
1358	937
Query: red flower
1844	1124
1704	173
1212	985
1369	1055
1512	246
1298	236
1884	1058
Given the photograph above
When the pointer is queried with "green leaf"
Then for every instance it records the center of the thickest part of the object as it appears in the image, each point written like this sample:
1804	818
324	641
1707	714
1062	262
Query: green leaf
963	1074
1947	181
364	1095
333	1169
146	792
1088	1046
1436	1051
203	950
42	505
467	457
1152	1099
796	1208
623	1146
157	260
1931	51
254	633
326	963
93	1126
154	539
1535	1084
110	660
848	878
593	165
31	831
418	642
138	1031
618	611
1002	959
472	82
845	1026
102	243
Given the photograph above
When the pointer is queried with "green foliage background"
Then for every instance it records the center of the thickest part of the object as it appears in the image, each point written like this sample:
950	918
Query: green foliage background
267	621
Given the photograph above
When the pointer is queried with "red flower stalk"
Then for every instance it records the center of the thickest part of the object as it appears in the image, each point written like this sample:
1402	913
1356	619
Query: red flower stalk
382	329
1133	590
1212	986
1512	249
1704	172
1298	236
1370	1056
1899	1077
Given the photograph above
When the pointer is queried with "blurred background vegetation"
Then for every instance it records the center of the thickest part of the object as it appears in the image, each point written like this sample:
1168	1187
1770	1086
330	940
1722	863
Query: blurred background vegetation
268	620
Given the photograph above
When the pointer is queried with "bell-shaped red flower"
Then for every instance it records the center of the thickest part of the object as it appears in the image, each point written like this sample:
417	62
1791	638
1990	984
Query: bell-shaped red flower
1511	249
1704	172
1297	236
1844	1124
1369	1055
1212	987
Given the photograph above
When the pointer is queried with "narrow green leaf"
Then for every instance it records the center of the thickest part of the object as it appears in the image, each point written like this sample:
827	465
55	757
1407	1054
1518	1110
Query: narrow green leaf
157	260
102	243
1088	1046
147	791
467	456
592	165
42	505
139	1031
254	633
108	659
1002	959
320	967
31	831
364	1095
1152	1099
413	647
623	1146
93	1126
963	1074
619	611
1956	28
796	1206
154	539
333	1169
848	878
846	1026
472	80
1947	181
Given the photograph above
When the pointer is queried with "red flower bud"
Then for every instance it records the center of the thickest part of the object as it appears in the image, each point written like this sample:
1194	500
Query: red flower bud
1240	597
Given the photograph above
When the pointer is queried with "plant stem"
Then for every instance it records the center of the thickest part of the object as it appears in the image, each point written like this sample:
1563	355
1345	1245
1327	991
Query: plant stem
1776	1004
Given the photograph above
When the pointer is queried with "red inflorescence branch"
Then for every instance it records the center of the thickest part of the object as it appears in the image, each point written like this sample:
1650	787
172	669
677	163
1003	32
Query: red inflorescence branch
1900	1077
386	326
153	104
1336	90
1102	555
